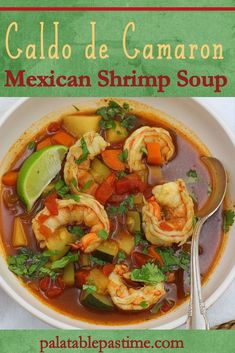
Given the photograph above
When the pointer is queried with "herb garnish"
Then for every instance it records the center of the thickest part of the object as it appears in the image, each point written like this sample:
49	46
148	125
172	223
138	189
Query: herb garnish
76	230
192	176
61	188
89	288
173	261
228	218
148	273
103	234
96	261
87	185
139	239
144	150
124	206
144	304
121	256
123	156
31	145
32	265
121	174
85	152
113	110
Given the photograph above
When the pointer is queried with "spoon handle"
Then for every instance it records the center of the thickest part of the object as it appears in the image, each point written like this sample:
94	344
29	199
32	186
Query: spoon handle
197	318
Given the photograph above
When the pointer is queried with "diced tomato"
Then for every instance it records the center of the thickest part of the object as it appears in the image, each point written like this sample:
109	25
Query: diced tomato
106	189
117	199
54	127
140	259
42	218
130	183
107	269
51	204
59	282
53	292
44	283
148	192
82	277
167	305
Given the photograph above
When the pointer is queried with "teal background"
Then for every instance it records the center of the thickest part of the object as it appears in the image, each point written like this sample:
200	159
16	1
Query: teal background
194	341
151	27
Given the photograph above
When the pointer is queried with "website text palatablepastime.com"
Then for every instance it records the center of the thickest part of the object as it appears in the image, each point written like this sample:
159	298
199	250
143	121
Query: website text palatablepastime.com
106	345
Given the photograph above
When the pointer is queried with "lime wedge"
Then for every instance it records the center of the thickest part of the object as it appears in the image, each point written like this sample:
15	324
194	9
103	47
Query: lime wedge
37	172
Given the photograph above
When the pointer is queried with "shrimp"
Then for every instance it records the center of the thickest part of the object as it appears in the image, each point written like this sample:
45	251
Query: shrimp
132	299
168	215
135	145
87	211
84	150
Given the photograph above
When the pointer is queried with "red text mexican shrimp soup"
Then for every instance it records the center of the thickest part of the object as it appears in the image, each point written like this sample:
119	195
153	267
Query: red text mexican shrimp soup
103	234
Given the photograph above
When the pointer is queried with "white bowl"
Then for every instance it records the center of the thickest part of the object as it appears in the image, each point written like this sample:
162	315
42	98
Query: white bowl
191	113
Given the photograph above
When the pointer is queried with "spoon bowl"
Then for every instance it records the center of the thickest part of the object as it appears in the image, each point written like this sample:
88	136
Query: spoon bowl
197	317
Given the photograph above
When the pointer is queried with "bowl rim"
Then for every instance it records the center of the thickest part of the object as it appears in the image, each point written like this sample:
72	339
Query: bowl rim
171	325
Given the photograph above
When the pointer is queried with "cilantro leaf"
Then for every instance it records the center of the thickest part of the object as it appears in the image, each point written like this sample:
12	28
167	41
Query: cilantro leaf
61	188
72	197
139	239
85	152
64	261
103	234
114	110
96	261
173	261
128	203
121	256
148	273
31	145
31	265
89	288
228	219
123	156
144	304
192	176
87	185
121	174
76	230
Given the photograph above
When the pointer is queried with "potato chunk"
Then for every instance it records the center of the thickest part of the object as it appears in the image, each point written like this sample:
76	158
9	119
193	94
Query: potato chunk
78	125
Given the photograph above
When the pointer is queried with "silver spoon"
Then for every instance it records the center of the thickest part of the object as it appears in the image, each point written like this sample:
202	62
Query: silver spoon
197	317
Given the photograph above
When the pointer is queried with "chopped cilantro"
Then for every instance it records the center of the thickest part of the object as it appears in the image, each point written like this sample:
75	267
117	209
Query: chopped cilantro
124	206
72	197
114	110
121	174
31	265
123	156
61	188
192	176
96	261
87	185
139	239
103	234
121	256
31	145
74	184
228	219
144	304
209	190
145	251
76	230
193	196
148	273
64	261
173	261
85	152
89	288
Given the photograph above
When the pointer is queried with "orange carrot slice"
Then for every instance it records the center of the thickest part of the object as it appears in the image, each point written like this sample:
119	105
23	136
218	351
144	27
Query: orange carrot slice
62	138
10	178
154	153
112	159
44	143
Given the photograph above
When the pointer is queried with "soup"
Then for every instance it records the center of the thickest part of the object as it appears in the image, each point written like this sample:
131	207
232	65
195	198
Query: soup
97	211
